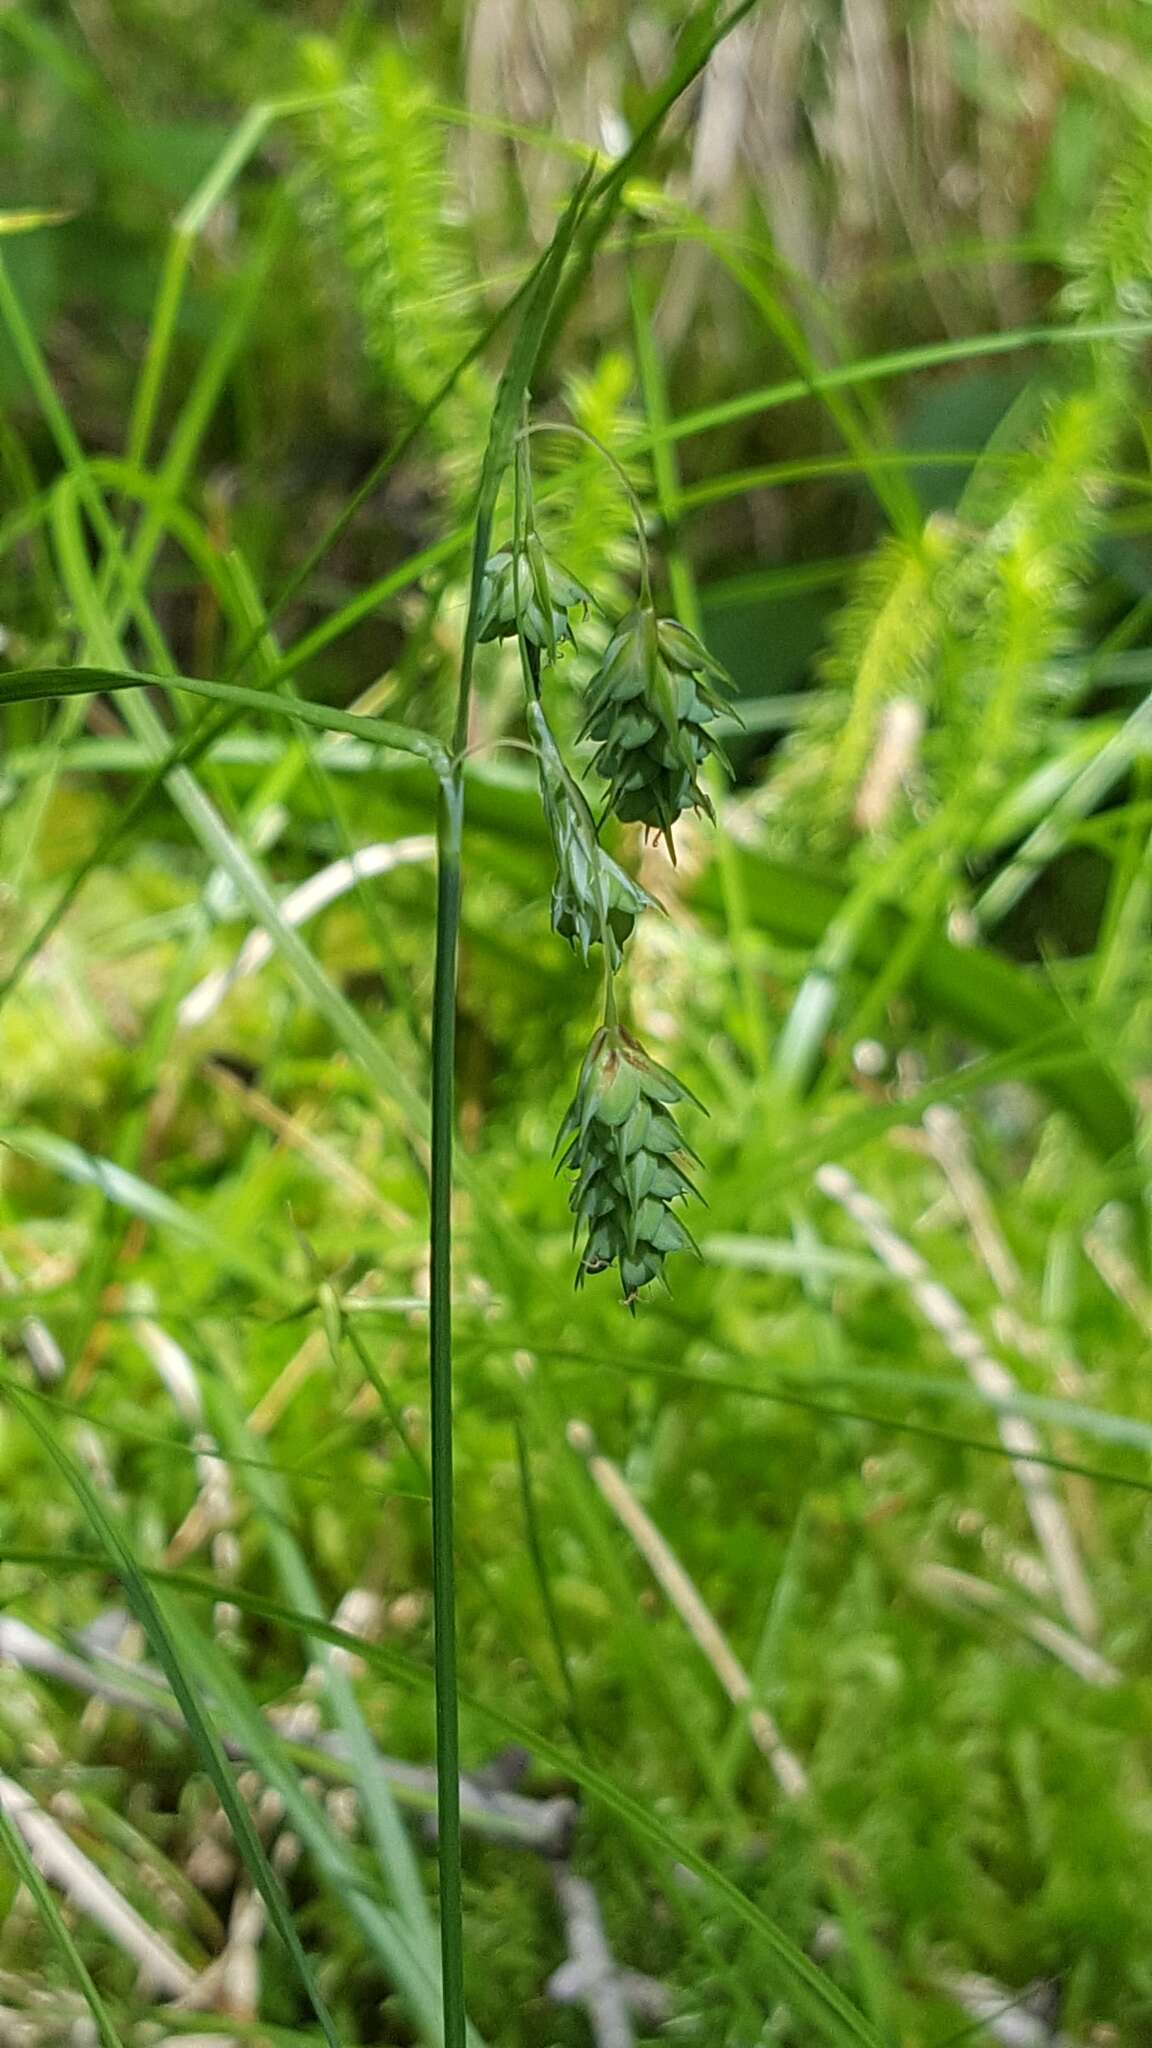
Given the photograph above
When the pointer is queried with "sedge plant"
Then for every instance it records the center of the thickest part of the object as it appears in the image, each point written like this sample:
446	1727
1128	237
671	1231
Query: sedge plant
648	710
650	704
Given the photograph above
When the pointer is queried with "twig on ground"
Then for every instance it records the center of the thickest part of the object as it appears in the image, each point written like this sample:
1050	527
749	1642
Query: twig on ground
592	1977
1011	2021
544	1825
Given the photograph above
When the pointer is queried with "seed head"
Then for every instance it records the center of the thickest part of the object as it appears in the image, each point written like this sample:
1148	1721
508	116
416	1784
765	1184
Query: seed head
592	898
526	590
649	705
622	1142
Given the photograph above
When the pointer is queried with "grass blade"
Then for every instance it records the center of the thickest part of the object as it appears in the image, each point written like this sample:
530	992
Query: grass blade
149	1613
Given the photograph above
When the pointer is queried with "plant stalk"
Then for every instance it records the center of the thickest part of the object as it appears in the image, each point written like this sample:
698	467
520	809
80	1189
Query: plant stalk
449	820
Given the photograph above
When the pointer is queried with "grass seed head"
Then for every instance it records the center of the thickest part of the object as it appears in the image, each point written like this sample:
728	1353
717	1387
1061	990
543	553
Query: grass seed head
593	901
649	707
526	590
621	1140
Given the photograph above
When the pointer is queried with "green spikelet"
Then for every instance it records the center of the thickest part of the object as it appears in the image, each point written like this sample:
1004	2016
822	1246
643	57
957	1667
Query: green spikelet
526	590
593	901
623	1144
649	707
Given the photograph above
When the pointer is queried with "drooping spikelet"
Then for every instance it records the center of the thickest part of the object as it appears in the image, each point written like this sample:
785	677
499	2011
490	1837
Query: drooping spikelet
649	706
593	901
526	590
623	1143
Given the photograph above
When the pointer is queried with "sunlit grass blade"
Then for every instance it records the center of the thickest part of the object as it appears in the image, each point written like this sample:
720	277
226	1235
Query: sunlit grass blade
975	989
25	686
394	1851
149	1613
128	1192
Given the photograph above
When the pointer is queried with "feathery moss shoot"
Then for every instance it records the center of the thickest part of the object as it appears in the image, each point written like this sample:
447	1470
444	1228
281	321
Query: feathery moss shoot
623	1143
649	706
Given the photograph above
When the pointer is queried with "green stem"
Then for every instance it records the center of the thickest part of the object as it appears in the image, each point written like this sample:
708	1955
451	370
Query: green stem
449	821
576	433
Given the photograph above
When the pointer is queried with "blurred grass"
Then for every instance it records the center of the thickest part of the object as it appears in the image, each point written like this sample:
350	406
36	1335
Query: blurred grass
879	299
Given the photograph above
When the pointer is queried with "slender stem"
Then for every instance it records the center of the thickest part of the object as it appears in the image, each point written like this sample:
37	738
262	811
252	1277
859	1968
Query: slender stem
449	821
576	433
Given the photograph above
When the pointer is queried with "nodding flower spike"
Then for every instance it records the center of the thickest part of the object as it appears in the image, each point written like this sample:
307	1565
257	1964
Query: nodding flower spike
622	1142
649	706
593	901
526	590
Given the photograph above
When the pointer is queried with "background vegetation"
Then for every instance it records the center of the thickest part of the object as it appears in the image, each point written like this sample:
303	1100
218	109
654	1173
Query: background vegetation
868	335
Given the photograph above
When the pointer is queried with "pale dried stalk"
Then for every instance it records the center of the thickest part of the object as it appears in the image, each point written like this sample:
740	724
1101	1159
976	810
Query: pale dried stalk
235	1975
946	1582
1120	1276
296	1134
716	149
666	1568
296	908
27	1650
892	764
288	1382
948	1142
59	1860
40	1347
941	1309
214	1511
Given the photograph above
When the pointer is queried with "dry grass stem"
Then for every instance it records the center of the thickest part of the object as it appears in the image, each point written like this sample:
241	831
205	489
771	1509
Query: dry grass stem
666	1568
312	896
943	1312
65	1866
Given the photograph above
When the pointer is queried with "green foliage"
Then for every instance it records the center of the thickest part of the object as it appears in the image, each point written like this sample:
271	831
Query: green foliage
622	1142
526	593
649	707
871	379
593	901
378	160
